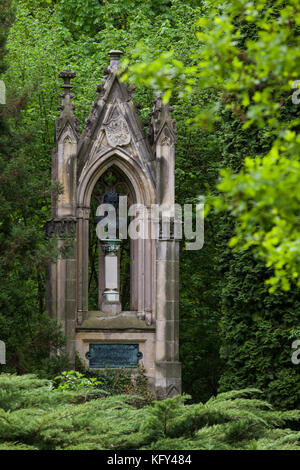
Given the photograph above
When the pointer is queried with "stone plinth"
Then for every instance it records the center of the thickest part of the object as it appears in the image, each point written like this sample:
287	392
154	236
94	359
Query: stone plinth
124	328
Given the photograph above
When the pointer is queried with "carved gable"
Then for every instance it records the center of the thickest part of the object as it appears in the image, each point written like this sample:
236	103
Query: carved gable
117	130
114	123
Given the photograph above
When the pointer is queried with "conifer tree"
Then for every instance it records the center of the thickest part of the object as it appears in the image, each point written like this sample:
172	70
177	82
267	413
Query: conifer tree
25	327
33	415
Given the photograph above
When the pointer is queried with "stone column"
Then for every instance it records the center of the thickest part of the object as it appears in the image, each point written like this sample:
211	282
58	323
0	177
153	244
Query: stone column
101	276
61	274
82	259
168	367
111	296
61	282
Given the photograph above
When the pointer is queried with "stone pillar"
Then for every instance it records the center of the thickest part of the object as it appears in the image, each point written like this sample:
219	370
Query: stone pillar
111	296
61	274
83	214
70	298
168	367
64	166
101	276
61	282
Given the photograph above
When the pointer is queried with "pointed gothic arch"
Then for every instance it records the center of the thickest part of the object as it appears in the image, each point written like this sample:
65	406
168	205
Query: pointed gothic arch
143	187
142	251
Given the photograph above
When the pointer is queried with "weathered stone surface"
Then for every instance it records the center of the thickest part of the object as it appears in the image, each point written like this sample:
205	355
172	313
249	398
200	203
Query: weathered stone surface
117	130
123	321
168	379
66	116
61	227
168	250
163	125
111	307
167	330
168	310
145	339
2	353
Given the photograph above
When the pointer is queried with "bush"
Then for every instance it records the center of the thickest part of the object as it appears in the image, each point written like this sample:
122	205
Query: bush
72	380
35	416
119	381
256	329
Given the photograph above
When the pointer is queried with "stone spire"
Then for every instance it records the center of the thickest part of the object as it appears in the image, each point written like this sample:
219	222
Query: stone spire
162	123
114	64
66	108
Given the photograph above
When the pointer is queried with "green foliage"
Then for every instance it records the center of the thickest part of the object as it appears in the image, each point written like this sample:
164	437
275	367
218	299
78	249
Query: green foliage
17	392
246	57
30	335
44	40
256	330
6	18
118	381
267	221
227	69
247	53
72	380
35	416
161	416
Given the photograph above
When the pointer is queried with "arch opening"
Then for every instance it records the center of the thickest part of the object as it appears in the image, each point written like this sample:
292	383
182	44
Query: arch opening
142	184
113	180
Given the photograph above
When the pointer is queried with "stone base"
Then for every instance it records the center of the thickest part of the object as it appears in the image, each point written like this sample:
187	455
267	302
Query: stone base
164	376
168	379
111	308
97	320
121	328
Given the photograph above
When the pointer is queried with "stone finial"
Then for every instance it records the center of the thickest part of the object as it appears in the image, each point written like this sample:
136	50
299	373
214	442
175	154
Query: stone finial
114	59
66	76
66	108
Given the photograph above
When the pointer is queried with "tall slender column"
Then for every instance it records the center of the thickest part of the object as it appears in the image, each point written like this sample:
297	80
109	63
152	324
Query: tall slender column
168	367
61	285
111	296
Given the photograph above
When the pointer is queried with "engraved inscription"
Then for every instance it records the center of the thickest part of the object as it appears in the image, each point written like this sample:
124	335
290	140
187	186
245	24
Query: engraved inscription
113	355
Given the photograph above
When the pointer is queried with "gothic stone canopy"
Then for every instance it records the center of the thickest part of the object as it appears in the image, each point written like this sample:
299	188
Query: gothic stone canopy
113	139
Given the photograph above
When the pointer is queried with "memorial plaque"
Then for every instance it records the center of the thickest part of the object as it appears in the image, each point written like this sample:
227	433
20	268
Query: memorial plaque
113	355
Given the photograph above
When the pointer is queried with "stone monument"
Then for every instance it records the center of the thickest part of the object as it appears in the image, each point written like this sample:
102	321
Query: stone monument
113	140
